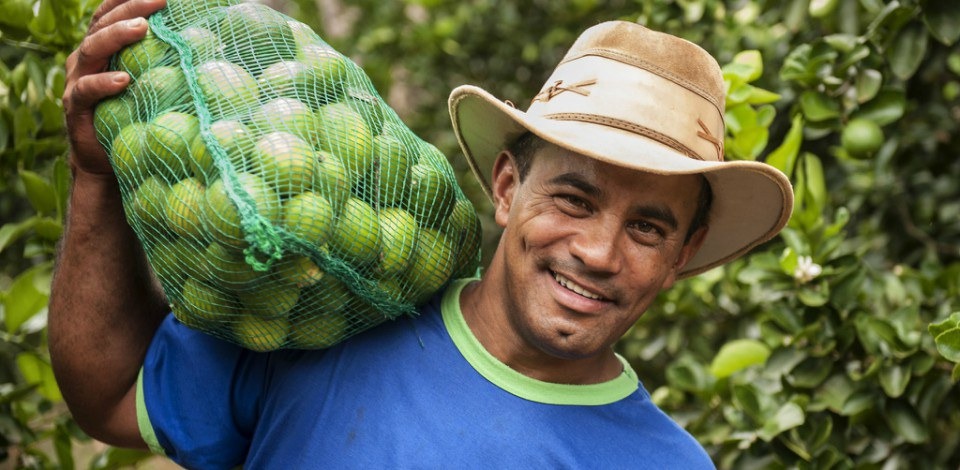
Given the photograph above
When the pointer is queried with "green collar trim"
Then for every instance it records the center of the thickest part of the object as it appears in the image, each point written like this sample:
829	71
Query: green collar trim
518	384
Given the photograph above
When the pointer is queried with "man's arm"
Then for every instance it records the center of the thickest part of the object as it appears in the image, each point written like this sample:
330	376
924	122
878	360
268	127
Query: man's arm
105	305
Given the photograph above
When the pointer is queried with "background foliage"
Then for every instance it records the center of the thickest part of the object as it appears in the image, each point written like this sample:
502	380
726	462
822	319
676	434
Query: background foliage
833	346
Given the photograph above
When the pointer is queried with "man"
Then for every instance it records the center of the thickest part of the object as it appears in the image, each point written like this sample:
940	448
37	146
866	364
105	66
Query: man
610	187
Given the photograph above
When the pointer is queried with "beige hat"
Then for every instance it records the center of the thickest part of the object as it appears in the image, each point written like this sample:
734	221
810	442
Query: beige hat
644	100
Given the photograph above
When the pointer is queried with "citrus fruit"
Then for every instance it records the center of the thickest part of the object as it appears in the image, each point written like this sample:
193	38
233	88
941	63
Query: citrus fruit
255	36
431	195
223	218
302	34
160	88
146	208
356	235
237	142
271	297
184	208
464	230
204	44
861	137
328	71
180	13
175	261
284	79
369	105
398	236
333	181
261	334
329	295
392	173
144	54
345	134
299	270
168	142
112	115
318	331
432	265
205	302
286	114
128	153
228	268
286	161
309	216
228	89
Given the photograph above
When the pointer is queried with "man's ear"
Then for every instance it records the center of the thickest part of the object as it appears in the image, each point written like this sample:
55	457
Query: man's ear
504	184
689	249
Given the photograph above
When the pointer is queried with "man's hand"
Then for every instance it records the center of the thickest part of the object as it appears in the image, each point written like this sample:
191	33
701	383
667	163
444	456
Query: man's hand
115	24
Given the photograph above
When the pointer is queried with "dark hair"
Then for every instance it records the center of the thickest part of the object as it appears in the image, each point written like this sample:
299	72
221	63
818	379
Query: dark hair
528	144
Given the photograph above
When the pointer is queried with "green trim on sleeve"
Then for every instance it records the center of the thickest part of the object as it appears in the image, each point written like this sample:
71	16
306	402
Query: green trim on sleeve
518	384
143	420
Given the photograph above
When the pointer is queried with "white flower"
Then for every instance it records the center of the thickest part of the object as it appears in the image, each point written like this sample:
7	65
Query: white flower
806	270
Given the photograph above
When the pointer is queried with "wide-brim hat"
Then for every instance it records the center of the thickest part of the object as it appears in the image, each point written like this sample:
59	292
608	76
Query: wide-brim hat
643	100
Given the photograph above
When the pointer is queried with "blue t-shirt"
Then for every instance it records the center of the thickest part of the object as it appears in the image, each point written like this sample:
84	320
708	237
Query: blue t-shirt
414	393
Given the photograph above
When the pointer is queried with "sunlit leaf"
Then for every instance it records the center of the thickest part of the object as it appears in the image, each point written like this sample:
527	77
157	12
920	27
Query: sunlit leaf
737	355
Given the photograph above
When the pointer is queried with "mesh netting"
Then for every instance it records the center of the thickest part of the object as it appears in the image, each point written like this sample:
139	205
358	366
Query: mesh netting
281	203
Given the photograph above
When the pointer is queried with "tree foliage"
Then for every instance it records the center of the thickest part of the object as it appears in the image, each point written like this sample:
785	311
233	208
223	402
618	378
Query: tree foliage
833	346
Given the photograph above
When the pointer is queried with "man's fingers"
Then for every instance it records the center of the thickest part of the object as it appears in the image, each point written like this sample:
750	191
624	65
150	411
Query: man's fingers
114	11
90	89
95	51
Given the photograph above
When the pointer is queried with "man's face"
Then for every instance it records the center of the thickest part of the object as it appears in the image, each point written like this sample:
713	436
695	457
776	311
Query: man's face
587	246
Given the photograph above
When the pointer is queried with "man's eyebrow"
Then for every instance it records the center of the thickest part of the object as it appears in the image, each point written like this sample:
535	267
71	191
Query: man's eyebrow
658	212
577	181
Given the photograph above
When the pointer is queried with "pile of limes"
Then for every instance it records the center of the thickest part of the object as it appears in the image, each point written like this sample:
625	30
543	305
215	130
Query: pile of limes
238	118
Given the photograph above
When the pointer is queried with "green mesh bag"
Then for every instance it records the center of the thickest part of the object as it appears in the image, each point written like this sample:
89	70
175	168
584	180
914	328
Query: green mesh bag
280	202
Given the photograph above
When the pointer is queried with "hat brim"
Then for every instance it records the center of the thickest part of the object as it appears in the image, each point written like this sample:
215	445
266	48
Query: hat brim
752	201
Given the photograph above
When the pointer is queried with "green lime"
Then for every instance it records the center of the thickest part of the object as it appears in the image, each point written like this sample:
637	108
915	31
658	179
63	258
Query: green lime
284	79
393	169
299	270
328	72
328	296
159	89
168	141
286	161
861	137
369	105
255	36
142	55
175	261
204	44
184	208
128	153
309	216
228	89
180	13
112	115
356	236
228	268
345	134
261	334
223	218
398	237
463	228
302	34
205	303
269	298
333	180
147	205
431	195
431	267
318	331
288	115
236	140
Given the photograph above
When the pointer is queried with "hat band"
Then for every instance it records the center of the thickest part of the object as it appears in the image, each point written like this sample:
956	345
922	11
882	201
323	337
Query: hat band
628	126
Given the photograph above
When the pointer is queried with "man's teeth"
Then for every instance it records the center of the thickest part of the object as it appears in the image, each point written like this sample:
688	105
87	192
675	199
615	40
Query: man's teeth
574	287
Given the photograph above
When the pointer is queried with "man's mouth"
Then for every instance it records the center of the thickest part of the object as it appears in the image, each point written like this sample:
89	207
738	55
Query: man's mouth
572	286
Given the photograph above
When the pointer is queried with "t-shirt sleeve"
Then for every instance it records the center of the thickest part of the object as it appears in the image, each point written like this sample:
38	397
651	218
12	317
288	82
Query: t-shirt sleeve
198	397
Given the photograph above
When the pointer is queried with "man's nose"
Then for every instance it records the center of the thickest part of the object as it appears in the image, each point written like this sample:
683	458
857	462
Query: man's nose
597	246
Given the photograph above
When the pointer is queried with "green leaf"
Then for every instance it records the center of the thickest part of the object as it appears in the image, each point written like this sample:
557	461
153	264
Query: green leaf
737	355
115	457
868	84
905	421
859	402
789	416
908	51
37	370
9	233
761	96
817	108
949	323
39	192
746	66
746	398
943	20
886	108
894	379
836	391
814	181
25	298
784	156
948	344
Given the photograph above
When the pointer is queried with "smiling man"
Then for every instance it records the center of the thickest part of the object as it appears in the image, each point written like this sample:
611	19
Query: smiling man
609	188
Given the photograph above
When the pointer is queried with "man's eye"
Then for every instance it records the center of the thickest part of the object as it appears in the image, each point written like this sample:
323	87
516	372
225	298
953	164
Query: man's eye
573	203
647	228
